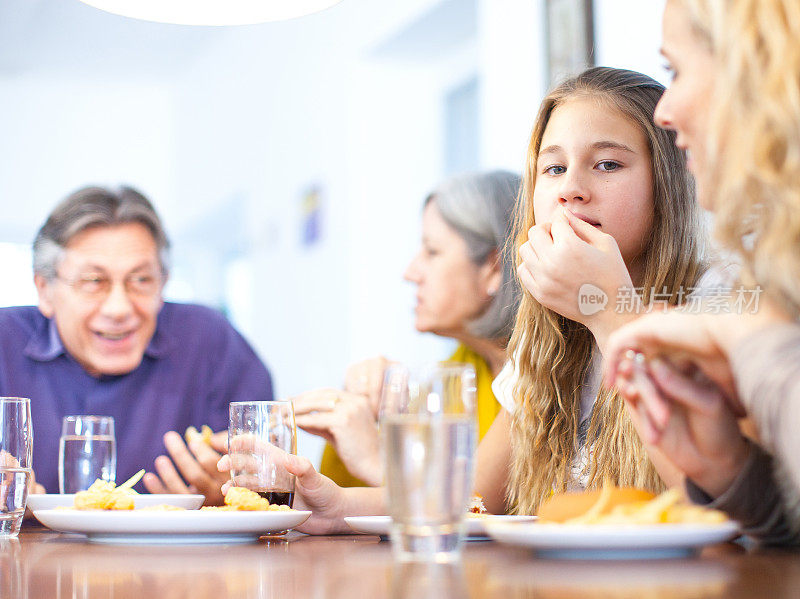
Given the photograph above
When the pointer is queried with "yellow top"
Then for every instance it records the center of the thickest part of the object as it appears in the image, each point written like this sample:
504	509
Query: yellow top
487	408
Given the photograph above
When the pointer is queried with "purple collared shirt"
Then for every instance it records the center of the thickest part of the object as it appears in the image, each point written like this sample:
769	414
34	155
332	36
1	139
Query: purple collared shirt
195	365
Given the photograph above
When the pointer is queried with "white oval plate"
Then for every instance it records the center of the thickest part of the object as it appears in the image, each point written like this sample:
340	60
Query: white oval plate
380	525
612	542
191	526
51	501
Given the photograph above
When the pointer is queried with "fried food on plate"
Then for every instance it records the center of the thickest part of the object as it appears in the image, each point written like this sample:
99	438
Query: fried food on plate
104	495
565	506
204	434
241	499
613	505
476	507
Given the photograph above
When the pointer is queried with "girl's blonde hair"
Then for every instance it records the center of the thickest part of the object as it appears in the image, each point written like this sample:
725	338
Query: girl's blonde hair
754	177
552	354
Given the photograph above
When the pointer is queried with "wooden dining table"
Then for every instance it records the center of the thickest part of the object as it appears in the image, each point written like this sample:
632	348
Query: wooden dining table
46	565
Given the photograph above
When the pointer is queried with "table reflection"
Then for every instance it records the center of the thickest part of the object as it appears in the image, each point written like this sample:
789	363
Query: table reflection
73	570
51	566
12	580
646	579
428	581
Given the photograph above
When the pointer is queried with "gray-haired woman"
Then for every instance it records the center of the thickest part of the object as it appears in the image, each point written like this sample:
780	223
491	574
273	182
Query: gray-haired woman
465	290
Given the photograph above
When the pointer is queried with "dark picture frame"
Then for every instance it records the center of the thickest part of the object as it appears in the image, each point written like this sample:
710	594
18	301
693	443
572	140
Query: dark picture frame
569	38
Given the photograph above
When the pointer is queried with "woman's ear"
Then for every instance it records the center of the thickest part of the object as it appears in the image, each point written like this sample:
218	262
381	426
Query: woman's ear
492	273
44	289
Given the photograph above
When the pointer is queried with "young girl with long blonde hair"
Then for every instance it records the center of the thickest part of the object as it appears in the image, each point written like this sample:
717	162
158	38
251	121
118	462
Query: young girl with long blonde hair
607	207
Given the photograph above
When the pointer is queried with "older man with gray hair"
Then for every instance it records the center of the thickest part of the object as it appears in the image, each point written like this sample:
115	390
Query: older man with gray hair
102	341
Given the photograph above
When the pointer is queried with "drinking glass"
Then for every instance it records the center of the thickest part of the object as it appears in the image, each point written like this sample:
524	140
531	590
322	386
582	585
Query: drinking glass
16	461
259	433
87	451
429	433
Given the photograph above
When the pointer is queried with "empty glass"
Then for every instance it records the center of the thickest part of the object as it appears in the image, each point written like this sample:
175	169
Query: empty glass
87	451
16	460
258	434
429	434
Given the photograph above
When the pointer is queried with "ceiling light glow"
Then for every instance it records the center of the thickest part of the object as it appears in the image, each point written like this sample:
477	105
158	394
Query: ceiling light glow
212	12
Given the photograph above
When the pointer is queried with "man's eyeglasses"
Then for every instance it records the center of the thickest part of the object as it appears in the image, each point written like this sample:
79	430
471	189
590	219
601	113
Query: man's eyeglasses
99	286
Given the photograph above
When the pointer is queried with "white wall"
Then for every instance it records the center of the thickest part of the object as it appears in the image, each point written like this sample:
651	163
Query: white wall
366	129
628	35
60	134
513	70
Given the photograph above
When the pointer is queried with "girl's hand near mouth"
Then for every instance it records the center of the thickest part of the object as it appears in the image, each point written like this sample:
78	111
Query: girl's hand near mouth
594	260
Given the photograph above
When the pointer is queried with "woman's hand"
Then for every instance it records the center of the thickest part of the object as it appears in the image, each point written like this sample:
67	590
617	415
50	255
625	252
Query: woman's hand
561	257
366	378
313	491
686	418
683	338
196	464
706	340
346	421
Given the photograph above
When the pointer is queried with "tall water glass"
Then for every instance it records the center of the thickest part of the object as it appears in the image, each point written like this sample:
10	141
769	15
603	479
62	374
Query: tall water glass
260	433
16	461
429	434
87	451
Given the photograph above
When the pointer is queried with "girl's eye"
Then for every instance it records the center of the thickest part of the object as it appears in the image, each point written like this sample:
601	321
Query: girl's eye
671	72
555	170
608	165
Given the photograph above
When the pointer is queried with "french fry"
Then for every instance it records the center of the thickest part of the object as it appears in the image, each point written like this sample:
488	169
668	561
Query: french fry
204	434
667	508
129	484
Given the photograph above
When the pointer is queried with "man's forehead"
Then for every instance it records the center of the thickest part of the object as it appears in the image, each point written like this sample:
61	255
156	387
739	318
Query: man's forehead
106	266
112	249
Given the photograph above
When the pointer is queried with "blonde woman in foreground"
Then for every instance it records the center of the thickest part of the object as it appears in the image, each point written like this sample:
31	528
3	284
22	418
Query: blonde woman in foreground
606	201
735	105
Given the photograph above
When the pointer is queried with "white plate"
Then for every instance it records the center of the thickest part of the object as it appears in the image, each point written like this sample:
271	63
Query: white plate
380	525
191	526
612	542
51	501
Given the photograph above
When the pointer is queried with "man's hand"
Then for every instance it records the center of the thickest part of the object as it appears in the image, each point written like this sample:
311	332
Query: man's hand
35	488
195	464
